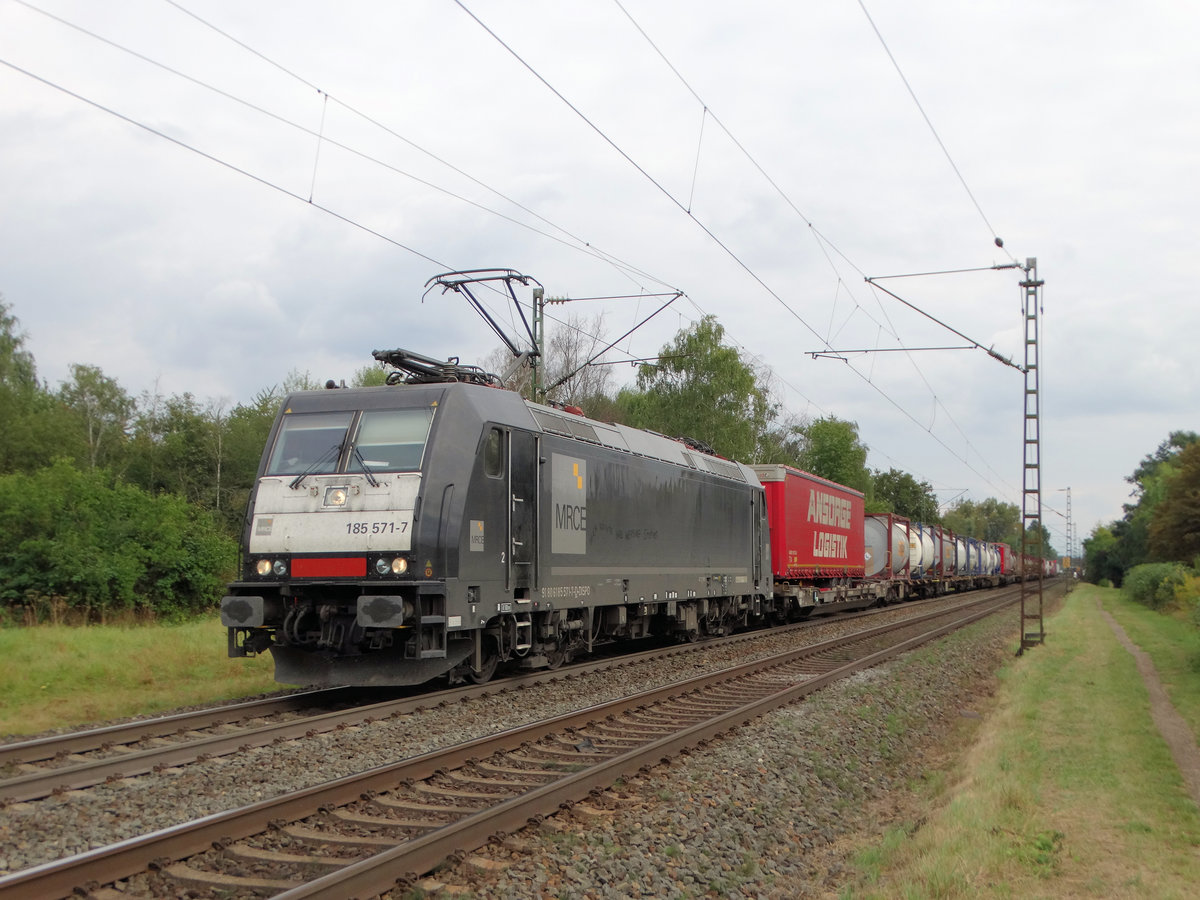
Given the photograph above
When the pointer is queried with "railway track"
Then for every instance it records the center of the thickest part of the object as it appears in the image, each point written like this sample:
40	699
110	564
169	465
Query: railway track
356	835
32	770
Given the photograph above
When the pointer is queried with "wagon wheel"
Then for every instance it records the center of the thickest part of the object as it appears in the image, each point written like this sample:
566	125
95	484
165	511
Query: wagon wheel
491	661
555	658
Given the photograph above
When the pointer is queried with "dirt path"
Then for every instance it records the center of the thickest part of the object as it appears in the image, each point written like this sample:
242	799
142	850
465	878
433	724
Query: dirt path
1174	729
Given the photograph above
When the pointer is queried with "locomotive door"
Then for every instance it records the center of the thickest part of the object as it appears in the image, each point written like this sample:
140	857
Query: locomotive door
756	512
523	474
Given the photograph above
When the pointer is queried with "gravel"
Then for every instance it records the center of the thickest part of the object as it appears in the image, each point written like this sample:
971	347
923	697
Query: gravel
773	811
717	808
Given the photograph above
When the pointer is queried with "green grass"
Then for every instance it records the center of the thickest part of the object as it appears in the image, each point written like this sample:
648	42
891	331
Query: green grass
1172	642
1068	790
56	676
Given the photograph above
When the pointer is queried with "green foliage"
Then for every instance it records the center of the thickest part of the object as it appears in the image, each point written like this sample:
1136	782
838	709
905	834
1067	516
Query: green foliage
702	390
900	493
369	376
103	410
34	426
77	543
1161	523
1174	530
988	520
832	450
1100	557
1155	584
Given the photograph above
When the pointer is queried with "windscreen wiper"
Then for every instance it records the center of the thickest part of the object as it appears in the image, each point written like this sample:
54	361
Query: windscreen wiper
371	479
335	450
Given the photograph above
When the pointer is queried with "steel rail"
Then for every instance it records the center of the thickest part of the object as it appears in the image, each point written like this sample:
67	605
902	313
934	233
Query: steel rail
86	773
39	749
377	874
108	864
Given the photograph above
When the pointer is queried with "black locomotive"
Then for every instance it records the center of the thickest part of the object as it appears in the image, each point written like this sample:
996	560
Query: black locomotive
447	527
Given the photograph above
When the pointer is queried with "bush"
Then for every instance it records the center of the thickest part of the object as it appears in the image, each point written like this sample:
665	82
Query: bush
1156	585
79	545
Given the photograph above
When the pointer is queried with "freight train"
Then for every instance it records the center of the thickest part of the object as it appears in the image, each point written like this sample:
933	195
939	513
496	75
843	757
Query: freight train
442	526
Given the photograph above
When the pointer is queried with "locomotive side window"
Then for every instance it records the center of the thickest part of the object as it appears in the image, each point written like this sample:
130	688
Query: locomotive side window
391	440
493	453
309	442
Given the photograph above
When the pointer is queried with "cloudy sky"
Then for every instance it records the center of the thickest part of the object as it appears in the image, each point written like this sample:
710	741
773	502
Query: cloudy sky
232	191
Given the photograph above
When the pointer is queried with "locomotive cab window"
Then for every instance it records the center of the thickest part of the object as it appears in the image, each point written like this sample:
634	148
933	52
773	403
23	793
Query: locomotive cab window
493	453
309	442
391	440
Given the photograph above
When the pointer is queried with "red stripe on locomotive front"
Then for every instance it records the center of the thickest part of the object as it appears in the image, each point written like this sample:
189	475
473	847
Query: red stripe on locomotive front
330	567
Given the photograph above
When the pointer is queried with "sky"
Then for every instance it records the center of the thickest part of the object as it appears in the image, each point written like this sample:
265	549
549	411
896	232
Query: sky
203	196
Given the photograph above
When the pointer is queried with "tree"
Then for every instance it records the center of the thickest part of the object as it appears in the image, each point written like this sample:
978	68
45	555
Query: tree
369	376
82	541
35	427
246	430
571	344
1174	528
570	347
104	411
902	494
1150	482
987	520
173	448
832	449
703	390
1100	560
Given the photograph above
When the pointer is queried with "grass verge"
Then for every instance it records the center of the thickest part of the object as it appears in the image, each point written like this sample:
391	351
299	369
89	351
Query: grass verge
1172	642
55	676
1068	790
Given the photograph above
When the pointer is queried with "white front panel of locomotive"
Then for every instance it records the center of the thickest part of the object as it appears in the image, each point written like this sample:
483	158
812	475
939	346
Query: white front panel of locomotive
302	520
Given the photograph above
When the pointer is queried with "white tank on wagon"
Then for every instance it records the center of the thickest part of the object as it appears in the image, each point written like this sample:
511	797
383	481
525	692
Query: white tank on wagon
960	556
923	557
887	548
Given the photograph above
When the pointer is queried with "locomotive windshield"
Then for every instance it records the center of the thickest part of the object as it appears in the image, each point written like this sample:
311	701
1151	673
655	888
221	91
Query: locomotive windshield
309	442
385	440
391	440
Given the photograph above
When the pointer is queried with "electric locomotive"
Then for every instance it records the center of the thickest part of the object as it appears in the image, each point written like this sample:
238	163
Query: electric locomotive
443	526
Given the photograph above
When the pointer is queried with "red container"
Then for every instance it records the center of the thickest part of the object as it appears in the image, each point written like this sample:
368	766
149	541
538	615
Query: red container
1008	560
816	525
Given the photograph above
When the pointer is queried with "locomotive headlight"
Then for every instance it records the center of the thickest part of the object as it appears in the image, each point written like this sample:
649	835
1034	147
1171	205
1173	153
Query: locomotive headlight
263	567
335	496
382	567
399	565
280	567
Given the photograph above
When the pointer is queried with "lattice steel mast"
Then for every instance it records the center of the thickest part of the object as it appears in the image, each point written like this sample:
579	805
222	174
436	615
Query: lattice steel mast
1032	623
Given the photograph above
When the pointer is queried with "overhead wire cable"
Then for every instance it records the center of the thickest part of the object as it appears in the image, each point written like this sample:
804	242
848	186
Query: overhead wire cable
621	265
913	94
265	181
593	250
822	242
579	245
216	159
666	193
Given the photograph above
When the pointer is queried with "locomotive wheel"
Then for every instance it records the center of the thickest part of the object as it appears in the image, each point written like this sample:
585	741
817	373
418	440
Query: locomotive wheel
491	661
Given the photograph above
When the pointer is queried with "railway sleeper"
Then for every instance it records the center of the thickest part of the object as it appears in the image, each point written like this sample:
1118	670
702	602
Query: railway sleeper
258	854
196	878
353	818
305	833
